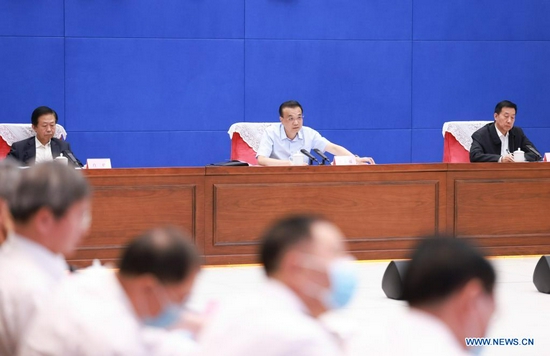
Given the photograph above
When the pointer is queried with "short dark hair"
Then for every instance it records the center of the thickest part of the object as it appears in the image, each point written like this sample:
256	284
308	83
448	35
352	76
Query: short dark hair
289	104
166	253
505	104
51	185
282	235
9	177
441	266
42	110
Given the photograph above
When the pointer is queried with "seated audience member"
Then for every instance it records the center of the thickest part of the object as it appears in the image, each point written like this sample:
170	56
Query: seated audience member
103	312
449	287
281	141
9	177
497	141
308	273
51	213
44	146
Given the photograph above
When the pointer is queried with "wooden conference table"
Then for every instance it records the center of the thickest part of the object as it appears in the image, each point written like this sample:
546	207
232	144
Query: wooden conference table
383	209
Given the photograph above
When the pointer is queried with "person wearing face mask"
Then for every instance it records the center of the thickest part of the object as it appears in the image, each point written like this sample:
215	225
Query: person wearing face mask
308	273
134	311
449	287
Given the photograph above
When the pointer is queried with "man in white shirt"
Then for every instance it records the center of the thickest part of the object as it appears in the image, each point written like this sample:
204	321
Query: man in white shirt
449	287
280	142
44	146
9	177
308	273
51	214
102	312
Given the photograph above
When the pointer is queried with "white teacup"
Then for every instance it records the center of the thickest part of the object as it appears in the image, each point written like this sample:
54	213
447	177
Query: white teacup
297	159
519	156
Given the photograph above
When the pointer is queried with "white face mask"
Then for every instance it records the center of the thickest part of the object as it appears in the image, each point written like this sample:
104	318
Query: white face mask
342	275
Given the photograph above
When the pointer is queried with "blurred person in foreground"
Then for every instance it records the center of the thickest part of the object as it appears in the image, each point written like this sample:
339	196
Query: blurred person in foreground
308	273
449	287
124	312
51	214
9	177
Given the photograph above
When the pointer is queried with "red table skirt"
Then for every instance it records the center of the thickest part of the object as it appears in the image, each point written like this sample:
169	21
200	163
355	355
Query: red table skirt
241	151
453	152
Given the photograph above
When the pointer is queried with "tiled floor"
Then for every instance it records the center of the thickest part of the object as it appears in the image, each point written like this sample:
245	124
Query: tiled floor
522	312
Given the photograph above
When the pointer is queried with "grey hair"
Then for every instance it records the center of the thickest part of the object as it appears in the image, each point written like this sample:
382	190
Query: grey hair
49	185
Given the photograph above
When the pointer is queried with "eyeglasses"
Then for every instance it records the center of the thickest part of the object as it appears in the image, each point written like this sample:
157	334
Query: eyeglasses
292	119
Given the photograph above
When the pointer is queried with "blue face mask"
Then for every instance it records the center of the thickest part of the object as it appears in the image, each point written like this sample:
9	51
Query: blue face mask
167	317
343	283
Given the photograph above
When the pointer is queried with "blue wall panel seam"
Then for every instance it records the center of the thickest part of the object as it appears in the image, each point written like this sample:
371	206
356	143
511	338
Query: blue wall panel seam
26	36
412	71
233	38
65	70
244	60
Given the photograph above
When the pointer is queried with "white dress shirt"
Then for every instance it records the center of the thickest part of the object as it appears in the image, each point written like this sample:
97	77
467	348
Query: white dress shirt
504	146
90	314
28	273
414	333
272	323
43	152
276	144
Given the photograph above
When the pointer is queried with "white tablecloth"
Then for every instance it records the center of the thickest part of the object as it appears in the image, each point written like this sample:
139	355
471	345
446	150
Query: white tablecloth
16	132
250	132
463	130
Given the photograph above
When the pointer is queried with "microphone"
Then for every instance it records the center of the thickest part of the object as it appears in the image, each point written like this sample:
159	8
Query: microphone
309	155
322	155
534	150
72	158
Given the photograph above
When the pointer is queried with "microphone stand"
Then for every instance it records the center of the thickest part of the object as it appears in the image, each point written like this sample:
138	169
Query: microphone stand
322	155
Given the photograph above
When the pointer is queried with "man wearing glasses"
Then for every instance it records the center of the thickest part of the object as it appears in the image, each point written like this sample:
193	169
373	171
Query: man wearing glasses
280	142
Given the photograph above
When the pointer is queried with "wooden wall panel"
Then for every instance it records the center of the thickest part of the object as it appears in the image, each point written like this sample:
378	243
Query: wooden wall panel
381	210
126	205
363	210
501	208
516	207
384	210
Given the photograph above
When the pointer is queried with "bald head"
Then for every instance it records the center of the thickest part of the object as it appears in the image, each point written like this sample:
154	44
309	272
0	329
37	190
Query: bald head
168	254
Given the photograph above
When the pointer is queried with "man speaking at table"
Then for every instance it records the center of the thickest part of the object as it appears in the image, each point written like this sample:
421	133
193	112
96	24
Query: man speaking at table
496	142
44	146
281	141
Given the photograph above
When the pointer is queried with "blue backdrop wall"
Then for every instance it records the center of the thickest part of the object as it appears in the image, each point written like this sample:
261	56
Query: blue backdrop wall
151	83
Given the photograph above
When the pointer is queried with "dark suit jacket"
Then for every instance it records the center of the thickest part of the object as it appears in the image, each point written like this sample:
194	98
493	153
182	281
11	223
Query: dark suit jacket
25	150
486	144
